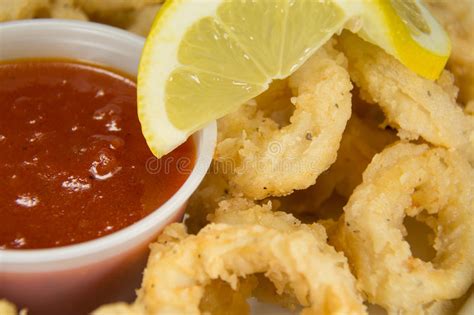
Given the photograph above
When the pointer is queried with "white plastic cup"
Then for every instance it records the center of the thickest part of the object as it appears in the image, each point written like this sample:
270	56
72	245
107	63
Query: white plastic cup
77	278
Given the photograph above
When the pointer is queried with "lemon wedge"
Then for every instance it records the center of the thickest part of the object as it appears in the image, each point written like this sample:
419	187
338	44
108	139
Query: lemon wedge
406	30
202	59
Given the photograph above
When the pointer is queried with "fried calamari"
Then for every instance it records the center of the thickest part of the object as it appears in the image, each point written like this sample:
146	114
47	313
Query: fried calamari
283	141
417	107
433	185
361	140
264	159
181	265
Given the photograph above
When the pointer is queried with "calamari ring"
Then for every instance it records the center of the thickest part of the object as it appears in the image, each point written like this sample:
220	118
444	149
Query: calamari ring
180	266
361	140
238	211
262	159
414	105
409	179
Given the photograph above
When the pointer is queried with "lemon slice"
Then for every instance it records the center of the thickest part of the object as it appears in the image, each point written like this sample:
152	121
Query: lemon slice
406	30
202	59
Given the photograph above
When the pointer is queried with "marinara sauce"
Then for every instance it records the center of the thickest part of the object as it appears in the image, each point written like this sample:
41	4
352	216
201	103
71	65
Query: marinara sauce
74	165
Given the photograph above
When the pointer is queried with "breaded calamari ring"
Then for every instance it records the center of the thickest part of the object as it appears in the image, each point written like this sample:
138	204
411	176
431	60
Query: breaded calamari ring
414	105
435	185
238	211
361	140
265	160
180	266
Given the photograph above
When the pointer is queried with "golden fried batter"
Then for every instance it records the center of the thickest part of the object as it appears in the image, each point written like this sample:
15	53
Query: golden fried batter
180	265
361	140
437	187
417	107
263	159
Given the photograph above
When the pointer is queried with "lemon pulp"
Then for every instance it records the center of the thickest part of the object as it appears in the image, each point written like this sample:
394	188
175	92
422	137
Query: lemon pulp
232	57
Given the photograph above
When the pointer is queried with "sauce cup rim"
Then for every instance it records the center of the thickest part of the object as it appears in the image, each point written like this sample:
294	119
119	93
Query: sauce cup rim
204	149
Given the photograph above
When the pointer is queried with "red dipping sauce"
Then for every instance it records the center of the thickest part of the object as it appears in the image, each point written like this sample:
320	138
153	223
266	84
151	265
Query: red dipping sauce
74	165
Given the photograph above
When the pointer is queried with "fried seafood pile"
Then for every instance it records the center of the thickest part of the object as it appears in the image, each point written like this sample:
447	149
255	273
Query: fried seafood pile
350	183
237	244
321	194
347	184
